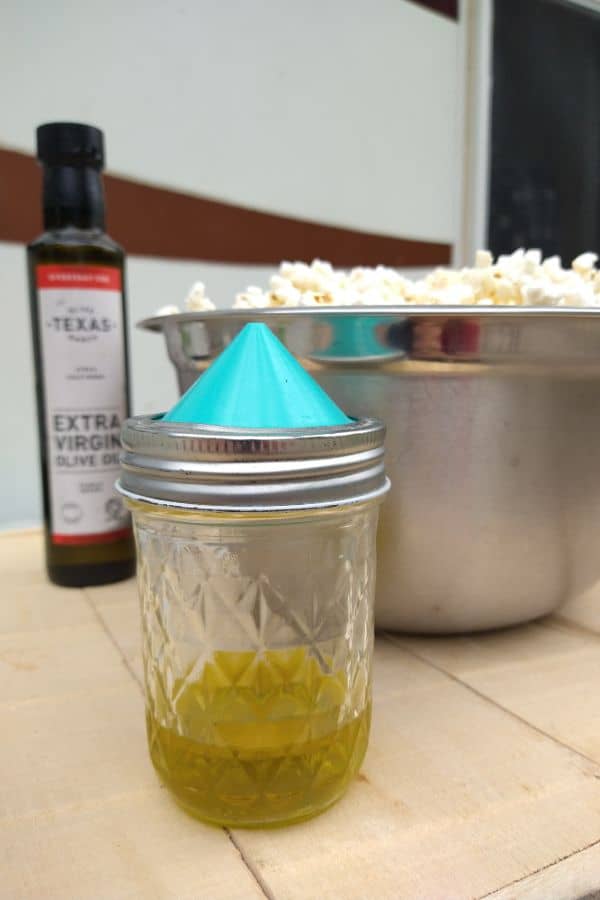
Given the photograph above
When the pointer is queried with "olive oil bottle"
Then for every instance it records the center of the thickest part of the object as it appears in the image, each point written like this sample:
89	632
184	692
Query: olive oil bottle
78	320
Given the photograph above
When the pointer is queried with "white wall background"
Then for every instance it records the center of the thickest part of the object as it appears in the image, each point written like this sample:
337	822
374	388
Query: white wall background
340	111
337	110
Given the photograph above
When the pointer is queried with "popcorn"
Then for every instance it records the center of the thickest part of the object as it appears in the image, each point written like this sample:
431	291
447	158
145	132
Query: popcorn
372	297
167	310
579	296
454	294
310	298
419	295
278	281
483	259
532	259
552	267
196	300
505	291
521	278
252	298
509	263
533	293
584	263
286	295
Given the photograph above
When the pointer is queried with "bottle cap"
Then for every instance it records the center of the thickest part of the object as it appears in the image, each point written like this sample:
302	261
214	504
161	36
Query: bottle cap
70	144
257	383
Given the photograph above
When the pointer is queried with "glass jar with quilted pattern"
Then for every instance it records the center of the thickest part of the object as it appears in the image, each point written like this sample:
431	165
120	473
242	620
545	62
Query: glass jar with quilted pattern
256	573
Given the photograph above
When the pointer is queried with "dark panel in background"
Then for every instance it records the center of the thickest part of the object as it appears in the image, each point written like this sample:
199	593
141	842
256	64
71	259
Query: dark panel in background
545	141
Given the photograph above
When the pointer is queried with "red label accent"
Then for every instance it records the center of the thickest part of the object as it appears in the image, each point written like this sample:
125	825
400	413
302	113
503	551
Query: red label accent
82	277
104	537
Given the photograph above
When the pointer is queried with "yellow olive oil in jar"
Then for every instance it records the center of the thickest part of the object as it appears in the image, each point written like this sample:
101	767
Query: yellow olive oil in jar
260	736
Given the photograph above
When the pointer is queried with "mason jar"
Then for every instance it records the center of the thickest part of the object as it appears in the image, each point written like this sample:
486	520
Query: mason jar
256	574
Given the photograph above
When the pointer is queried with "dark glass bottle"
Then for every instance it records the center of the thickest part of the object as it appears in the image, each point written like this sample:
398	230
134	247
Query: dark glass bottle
78	320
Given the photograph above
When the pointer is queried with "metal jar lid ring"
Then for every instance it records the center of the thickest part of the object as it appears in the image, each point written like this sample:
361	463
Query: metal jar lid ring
238	469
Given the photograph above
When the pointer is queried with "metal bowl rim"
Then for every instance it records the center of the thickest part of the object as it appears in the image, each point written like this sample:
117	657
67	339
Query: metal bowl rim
157	323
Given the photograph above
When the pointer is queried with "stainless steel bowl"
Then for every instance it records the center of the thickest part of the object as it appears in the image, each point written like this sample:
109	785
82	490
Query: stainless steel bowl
493	446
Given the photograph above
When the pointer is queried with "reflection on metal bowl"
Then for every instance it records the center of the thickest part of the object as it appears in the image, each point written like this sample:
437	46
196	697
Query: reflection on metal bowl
493	439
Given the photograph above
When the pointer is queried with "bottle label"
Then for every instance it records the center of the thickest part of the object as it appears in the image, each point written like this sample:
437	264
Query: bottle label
83	359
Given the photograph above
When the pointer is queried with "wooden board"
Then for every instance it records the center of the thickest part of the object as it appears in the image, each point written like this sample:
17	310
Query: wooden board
482	776
456	798
547	674
82	816
576	877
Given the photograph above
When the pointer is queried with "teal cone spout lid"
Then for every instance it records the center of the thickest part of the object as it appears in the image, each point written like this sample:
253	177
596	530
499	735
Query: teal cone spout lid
257	383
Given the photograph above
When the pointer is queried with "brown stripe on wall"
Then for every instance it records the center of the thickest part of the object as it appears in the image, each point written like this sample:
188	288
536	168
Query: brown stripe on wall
153	221
446	7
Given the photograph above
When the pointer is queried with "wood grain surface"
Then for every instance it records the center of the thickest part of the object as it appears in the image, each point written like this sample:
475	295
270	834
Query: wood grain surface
482	777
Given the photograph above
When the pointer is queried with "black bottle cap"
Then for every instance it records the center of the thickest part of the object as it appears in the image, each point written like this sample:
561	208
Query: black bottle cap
70	144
